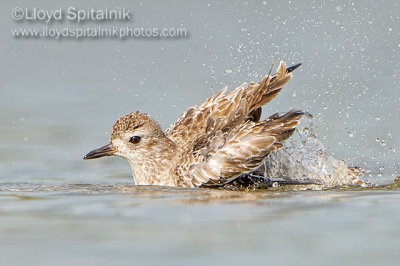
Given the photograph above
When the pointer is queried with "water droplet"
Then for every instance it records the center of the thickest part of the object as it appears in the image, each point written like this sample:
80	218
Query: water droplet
381	167
383	143
378	118
228	71
377	139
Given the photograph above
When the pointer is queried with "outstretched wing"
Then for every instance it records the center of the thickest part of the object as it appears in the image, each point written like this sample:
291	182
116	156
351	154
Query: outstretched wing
242	150
223	112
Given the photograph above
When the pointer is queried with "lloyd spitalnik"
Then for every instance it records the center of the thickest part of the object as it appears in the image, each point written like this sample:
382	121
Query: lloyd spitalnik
77	15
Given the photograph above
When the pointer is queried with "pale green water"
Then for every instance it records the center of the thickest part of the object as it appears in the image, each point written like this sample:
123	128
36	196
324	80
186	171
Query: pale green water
59	99
123	224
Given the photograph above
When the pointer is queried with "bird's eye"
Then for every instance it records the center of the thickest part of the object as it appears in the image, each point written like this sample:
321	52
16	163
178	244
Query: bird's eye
135	139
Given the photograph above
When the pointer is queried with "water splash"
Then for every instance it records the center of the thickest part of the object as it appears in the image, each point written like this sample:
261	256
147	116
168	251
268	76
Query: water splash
304	158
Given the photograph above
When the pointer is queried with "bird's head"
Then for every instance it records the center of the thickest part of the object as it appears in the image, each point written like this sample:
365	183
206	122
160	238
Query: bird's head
134	137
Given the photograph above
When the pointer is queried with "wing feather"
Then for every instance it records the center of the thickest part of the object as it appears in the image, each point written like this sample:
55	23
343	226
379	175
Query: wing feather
223	138
242	151
239	105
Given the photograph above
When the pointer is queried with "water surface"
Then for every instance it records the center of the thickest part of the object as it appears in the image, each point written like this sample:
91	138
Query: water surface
102	224
59	100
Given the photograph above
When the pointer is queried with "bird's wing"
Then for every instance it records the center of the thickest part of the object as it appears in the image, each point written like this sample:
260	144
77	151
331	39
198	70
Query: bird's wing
242	150
223	112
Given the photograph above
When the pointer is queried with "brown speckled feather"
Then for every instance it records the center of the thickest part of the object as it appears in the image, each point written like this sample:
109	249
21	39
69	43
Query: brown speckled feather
223	138
210	144
223	112
240	151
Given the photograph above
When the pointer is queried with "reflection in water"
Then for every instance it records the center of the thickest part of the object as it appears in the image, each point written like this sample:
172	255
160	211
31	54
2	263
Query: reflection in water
29	192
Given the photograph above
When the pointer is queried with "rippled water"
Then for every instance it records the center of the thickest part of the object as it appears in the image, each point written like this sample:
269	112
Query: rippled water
59	100
124	224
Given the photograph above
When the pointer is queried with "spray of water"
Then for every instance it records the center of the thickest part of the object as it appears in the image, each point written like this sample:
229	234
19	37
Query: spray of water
304	158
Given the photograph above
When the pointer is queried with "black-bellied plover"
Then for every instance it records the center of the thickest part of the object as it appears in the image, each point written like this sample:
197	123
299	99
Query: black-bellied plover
212	144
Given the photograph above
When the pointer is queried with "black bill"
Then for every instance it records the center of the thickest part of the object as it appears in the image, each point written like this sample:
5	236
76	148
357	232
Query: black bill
107	150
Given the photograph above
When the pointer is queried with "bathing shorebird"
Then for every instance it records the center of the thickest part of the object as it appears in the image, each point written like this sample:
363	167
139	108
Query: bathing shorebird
213	144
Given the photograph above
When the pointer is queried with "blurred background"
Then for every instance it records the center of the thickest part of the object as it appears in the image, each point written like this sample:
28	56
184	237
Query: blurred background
60	98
